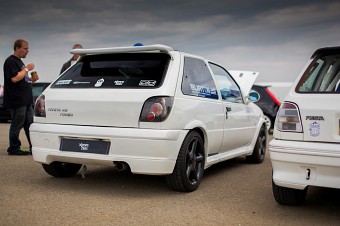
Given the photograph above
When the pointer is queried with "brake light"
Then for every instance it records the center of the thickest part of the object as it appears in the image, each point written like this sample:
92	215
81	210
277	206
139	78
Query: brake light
271	94
156	109
288	118
39	109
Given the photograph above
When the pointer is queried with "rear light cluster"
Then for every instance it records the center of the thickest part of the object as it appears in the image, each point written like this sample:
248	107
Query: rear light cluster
288	118
271	94
156	109
39	109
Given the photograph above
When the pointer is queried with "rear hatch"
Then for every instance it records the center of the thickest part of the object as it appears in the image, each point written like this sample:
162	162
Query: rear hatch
313	106
106	89
320	117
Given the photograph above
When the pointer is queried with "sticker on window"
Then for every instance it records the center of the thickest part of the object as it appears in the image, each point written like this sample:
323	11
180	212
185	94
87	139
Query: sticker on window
64	82
99	83
119	83
78	82
147	83
203	91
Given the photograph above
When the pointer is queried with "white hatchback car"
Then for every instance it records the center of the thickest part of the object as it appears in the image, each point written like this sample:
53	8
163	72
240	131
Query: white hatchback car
305	150
152	109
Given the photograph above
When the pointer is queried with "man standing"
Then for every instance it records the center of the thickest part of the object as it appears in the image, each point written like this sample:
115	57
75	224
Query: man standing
18	96
73	60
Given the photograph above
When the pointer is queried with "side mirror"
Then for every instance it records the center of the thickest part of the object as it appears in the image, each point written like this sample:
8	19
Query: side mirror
253	96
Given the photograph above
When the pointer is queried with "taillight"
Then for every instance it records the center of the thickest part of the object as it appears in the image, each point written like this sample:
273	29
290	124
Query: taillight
271	94
156	109
288	118
39	109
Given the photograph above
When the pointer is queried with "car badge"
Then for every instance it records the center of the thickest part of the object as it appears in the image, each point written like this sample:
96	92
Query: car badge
315	118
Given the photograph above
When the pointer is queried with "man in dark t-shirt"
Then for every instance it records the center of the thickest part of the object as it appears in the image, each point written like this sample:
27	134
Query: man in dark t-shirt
18	96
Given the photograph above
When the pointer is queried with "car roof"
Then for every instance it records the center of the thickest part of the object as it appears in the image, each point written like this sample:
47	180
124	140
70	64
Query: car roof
334	49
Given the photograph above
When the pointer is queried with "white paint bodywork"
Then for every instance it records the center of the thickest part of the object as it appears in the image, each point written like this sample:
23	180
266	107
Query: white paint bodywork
147	147
313	156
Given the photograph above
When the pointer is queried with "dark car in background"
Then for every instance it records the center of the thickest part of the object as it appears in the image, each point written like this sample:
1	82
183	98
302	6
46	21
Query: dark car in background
267	101
37	89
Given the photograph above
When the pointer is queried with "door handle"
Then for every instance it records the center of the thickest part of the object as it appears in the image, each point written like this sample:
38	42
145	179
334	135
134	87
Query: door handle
226	112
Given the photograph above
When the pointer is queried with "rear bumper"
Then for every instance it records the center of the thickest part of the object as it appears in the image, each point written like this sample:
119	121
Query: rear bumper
299	164
146	151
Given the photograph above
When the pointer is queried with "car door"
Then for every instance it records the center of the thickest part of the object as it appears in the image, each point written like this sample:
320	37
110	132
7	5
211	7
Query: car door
239	125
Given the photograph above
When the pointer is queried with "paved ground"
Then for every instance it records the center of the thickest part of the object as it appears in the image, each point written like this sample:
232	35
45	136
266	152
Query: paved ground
231	193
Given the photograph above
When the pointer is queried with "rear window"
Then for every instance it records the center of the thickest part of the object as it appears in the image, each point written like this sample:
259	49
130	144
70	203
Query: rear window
322	76
127	70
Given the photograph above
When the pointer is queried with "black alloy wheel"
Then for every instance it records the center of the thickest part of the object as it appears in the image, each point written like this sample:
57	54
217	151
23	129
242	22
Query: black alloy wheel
189	168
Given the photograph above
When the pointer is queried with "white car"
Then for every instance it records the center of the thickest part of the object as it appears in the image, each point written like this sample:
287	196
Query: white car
305	150
150	108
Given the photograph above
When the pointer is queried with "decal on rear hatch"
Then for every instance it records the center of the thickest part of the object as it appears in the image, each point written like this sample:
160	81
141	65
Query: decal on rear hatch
314	129
119	83
315	118
63	82
99	83
147	83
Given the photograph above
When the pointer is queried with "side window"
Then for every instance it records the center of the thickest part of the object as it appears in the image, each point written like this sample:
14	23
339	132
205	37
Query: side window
197	79
228	87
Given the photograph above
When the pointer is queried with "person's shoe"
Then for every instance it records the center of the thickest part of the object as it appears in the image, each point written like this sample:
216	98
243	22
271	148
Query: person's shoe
24	150
18	152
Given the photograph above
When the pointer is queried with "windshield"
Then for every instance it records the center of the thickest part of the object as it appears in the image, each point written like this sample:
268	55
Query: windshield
126	70
322	76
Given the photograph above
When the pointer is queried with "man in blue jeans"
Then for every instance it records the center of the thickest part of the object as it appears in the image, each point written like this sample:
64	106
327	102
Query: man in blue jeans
18	96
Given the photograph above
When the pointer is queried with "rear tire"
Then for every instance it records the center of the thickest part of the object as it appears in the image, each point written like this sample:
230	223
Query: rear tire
62	169
289	196
259	151
189	168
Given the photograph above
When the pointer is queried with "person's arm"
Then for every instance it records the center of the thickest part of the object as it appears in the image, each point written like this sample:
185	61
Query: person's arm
21	74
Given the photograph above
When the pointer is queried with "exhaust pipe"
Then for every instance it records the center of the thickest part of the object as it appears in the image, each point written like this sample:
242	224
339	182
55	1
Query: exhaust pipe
120	166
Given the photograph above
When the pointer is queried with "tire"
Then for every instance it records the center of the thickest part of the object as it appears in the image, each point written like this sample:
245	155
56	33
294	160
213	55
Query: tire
269	122
259	151
189	168
61	169
289	196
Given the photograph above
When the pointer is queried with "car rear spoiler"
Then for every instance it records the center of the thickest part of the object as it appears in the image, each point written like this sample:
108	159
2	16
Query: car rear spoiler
126	49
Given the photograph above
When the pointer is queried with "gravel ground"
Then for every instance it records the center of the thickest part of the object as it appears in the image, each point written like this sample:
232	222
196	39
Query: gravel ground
231	193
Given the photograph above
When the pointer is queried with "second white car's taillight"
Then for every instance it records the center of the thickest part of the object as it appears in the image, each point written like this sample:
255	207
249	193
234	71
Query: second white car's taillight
288	118
156	109
39	109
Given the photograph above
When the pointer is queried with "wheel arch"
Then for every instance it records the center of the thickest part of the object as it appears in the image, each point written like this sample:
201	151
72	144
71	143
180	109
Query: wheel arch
260	124
199	127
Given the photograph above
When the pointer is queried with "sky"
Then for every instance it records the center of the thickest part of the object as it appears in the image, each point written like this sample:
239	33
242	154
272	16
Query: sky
274	38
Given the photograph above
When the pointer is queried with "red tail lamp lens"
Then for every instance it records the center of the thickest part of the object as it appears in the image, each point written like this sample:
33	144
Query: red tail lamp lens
39	109
151	116
156	109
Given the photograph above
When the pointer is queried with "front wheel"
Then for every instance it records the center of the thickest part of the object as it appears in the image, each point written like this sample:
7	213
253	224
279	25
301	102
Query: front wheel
259	151
288	196
189	168
62	169
269	122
